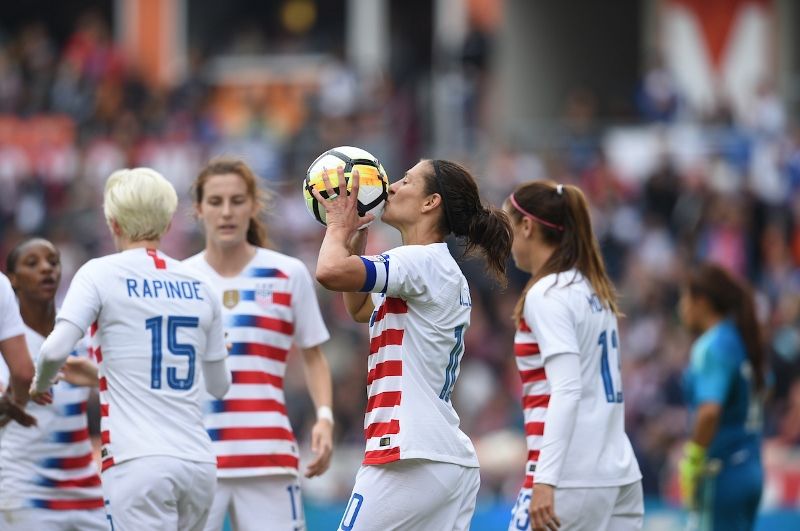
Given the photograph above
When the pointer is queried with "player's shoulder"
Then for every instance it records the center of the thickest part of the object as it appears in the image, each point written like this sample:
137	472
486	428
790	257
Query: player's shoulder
5	285
424	258
269	262
413	251
558	288
134	258
99	265
725	340
555	284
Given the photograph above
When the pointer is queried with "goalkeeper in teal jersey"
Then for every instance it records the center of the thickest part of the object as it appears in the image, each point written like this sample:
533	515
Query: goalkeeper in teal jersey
720	473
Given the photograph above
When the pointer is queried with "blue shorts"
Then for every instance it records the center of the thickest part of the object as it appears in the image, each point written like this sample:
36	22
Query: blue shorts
729	500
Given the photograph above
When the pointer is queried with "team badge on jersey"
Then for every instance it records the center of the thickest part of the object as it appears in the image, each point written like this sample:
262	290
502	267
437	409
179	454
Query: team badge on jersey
230	298
263	295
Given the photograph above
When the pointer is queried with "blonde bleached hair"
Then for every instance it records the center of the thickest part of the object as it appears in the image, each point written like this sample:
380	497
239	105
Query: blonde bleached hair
141	201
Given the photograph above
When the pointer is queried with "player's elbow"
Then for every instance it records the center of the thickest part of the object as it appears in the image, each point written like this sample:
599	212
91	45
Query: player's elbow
328	277
568	391
708	413
362	313
360	317
17	358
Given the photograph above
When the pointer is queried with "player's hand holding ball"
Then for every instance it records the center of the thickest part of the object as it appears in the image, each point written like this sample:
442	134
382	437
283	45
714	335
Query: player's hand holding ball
340	166
542	509
340	207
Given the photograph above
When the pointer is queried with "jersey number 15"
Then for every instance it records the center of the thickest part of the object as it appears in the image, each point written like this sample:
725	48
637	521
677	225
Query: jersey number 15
155	326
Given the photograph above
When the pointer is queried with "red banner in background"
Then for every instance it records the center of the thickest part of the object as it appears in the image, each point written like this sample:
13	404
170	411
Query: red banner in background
716	19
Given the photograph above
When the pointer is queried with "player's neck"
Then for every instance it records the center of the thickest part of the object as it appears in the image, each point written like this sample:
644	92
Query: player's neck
540	254
710	321
38	316
229	261
420	234
124	244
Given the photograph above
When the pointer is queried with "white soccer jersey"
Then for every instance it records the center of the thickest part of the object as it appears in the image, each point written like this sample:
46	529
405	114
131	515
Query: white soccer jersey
266	308
50	465
11	324
422	310
152	324
563	314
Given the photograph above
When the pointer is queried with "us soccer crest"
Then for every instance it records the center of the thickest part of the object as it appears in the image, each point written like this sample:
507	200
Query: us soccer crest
263	295
230	298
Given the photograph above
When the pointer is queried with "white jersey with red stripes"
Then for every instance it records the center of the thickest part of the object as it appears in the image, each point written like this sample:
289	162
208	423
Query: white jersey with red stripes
153	323
50	465
422	310
268	307
563	314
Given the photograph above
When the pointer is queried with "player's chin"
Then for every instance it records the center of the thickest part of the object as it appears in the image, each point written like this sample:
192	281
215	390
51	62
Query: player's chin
386	216
228	239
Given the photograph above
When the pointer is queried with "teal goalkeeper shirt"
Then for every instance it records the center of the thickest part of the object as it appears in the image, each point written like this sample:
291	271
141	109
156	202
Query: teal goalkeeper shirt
720	372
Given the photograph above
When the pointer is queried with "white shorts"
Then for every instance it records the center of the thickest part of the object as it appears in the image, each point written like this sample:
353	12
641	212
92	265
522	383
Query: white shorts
29	519
159	492
412	494
592	509
253	501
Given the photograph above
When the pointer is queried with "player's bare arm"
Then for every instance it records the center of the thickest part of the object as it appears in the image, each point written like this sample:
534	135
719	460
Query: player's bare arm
359	305
20	367
318	379
337	268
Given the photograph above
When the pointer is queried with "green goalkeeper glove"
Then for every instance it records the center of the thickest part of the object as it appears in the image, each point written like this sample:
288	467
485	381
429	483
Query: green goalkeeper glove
690	469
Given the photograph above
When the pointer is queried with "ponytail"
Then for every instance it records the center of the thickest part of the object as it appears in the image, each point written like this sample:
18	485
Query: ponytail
486	229
732	298
584	247
561	213
490	231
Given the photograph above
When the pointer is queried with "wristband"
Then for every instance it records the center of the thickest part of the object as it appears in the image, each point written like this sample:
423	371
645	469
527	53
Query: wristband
325	413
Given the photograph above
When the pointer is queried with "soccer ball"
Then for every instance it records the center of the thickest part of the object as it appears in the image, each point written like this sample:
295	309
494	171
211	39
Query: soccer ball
373	182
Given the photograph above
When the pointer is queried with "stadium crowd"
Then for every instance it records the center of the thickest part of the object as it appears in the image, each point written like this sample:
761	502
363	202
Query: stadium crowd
707	186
